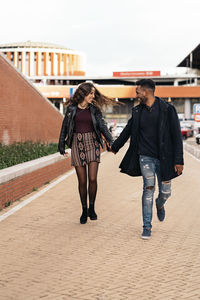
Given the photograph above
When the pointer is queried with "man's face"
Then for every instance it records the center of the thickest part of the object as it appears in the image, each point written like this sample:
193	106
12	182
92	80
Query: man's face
141	94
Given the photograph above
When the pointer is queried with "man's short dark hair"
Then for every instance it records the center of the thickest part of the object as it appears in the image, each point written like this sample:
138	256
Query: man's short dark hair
147	83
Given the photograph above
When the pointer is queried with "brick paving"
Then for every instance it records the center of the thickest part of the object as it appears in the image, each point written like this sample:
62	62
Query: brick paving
192	141
46	254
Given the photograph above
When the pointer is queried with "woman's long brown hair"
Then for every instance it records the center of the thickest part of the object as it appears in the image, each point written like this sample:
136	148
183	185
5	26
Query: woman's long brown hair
84	90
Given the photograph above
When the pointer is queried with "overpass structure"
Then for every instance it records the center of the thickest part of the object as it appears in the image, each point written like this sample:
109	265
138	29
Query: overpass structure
182	96
56	72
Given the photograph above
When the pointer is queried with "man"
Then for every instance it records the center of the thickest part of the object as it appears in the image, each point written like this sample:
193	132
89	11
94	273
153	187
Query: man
155	149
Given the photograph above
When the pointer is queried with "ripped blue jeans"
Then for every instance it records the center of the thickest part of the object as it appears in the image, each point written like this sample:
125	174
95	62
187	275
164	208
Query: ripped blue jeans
150	167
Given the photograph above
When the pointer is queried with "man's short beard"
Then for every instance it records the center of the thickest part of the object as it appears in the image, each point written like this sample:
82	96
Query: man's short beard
143	101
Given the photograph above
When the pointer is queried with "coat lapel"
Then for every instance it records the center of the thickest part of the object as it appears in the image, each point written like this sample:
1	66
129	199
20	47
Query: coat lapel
136	117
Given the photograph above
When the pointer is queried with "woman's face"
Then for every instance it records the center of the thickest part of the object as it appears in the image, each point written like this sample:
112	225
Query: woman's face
89	98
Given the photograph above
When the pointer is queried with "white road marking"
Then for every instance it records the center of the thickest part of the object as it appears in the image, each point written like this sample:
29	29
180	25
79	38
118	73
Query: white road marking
192	155
30	199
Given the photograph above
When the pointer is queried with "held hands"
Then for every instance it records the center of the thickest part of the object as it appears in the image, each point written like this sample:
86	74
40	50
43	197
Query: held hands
108	146
178	169
110	149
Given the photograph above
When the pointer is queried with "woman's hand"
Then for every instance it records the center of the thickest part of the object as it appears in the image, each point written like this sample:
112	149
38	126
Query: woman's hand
108	147
66	154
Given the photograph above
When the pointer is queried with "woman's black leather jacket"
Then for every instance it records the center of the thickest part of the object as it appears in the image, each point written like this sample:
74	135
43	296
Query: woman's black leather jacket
67	130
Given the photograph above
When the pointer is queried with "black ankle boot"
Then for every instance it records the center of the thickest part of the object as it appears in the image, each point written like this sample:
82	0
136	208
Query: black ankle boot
91	213
83	218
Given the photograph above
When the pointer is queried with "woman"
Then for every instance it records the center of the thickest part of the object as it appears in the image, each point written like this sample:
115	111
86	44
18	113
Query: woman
81	130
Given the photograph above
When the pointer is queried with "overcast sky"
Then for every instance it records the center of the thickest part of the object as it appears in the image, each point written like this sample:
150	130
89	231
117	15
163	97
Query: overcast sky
115	35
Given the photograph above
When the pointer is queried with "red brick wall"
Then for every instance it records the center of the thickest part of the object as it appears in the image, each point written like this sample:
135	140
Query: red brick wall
17	188
23	185
24	113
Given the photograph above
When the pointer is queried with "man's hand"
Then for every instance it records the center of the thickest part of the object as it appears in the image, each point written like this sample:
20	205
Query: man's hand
110	149
113	151
178	169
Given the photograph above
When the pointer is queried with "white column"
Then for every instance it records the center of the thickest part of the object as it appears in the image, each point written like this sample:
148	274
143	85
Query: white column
61	108
176	82
39	63
187	108
52	64
32	63
55	64
23	58
16	58
44	81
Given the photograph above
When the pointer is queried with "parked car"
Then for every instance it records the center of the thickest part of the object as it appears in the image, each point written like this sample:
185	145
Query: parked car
196	127
187	129
186	132
118	129
198	139
187	124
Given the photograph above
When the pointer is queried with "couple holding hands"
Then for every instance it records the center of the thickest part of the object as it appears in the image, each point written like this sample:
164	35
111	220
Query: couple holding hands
155	146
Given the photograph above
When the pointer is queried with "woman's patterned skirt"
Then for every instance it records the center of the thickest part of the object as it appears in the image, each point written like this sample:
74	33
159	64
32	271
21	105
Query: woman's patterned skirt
85	149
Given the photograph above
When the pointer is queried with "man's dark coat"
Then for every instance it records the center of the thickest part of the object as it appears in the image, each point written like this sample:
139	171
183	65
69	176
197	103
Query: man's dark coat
169	143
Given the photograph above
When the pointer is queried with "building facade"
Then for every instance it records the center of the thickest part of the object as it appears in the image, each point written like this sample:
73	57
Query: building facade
56	72
43	59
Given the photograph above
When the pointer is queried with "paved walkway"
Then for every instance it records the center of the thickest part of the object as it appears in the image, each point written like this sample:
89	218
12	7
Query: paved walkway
192	141
46	254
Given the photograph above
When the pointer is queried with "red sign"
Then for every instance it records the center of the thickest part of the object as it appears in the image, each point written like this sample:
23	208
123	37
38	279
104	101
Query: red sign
197	117
136	74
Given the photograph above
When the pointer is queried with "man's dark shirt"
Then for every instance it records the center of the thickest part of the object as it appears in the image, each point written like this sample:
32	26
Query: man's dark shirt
148	134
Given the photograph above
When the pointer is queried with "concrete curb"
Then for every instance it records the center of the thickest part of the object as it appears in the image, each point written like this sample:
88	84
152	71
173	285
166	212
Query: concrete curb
29	166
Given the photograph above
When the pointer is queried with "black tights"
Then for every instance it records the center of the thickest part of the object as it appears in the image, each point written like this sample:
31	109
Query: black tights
82	183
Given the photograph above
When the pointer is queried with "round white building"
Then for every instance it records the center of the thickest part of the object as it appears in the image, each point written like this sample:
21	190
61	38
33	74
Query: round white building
44	59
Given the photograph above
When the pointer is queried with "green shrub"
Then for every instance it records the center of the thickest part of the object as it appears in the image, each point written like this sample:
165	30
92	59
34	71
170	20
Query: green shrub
20	152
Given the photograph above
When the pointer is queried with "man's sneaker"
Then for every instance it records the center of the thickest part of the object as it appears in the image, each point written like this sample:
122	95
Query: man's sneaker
146	234
160	212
